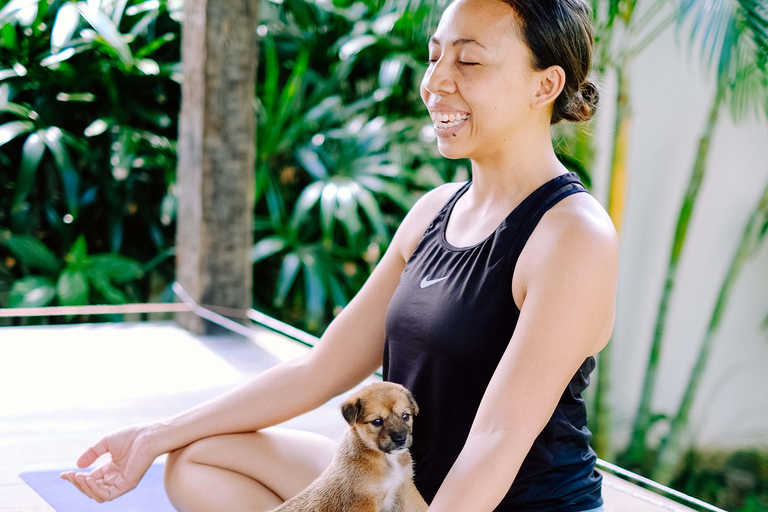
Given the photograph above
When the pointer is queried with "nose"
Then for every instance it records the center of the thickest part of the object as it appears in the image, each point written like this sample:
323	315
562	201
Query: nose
438	79
398	439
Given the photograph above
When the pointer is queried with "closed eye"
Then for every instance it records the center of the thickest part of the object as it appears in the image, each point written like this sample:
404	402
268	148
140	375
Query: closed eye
460	62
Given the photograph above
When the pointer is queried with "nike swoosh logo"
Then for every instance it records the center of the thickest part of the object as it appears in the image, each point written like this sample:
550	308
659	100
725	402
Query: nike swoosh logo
426	282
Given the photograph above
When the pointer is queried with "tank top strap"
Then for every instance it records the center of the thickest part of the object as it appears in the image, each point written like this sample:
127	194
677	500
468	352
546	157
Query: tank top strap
535	206
448	206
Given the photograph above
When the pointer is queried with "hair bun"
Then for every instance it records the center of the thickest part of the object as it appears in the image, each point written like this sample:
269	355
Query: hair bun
589	92
584	102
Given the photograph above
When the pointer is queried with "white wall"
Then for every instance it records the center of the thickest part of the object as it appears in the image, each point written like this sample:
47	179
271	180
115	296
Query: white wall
671	97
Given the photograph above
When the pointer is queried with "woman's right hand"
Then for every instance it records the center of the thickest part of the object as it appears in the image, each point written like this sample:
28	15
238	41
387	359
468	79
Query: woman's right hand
131	454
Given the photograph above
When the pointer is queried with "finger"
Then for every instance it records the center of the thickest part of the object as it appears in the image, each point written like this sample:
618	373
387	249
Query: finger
72	479
69	475
100	494
97	474
80	479
77	484
93	453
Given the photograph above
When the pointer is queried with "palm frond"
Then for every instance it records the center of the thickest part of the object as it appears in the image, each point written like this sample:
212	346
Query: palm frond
734	43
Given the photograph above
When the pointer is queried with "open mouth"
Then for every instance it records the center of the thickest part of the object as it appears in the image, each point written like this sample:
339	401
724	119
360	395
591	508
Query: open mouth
443	121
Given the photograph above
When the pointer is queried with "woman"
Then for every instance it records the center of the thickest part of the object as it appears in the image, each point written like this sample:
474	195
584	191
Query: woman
496	359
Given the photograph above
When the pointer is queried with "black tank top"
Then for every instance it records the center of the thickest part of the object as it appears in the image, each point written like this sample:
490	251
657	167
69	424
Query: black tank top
447	325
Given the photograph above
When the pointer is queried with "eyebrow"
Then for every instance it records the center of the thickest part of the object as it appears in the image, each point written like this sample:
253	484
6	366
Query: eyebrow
463	40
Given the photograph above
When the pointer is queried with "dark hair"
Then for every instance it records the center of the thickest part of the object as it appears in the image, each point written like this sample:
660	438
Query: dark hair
559	32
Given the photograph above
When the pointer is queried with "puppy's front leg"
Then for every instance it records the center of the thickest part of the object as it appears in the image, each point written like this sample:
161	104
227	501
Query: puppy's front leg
410	498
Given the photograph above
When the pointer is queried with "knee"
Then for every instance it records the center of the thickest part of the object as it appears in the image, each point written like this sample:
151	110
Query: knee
174	464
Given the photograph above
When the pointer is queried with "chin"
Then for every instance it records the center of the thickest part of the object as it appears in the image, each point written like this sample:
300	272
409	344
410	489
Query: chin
450	152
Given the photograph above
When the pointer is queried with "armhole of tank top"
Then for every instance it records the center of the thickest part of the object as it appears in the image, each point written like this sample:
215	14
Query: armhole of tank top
527	228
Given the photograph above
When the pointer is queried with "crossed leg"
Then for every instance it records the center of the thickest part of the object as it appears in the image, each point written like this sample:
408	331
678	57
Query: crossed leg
254	471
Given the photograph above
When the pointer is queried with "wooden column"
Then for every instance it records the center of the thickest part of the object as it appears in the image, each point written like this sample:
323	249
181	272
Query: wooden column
216	155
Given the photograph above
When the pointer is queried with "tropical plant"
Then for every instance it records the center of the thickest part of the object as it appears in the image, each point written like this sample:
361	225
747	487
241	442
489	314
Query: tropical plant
87	127
736	40
70	284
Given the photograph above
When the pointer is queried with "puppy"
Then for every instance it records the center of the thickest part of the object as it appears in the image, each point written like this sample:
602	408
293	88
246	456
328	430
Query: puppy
372	470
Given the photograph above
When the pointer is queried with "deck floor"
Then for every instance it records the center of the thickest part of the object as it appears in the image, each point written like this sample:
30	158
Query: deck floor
64	387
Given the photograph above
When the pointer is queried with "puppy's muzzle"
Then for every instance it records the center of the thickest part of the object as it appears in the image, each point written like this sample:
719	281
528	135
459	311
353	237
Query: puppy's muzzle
398	438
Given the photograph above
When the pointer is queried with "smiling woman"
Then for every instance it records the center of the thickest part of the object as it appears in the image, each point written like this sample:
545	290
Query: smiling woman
499	353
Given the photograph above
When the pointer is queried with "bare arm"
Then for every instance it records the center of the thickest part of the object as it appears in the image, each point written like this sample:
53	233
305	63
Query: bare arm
350	349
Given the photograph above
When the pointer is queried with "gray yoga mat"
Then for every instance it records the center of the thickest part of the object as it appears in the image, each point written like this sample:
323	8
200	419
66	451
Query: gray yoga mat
148	496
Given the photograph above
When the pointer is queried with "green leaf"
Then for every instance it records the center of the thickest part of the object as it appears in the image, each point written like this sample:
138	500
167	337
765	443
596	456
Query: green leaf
31	154
9	11
64	25
355	45
8	35
72	288
272	72
310	160
266	247
306	202
78	254
155	45
292	91
31	292
17	109
108	32
315	291
31	252
10	131
109	292
114	267
372	210
287	276
69	179
328	209
347	211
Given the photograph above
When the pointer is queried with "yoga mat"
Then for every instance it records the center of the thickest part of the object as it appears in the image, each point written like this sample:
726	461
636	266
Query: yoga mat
63	496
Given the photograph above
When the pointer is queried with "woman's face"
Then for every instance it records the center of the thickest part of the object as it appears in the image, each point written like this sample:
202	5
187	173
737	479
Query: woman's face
479	73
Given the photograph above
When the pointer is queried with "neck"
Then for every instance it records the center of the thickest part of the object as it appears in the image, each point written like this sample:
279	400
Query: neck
501	178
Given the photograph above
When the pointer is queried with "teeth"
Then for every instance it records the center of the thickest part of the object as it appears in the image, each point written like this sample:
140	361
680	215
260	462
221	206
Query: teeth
443	124
447	120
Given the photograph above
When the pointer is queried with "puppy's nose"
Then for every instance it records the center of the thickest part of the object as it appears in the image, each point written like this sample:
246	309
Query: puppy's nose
398	439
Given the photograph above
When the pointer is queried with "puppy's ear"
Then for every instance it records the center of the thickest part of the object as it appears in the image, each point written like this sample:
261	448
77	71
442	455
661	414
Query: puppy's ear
412	401
351	410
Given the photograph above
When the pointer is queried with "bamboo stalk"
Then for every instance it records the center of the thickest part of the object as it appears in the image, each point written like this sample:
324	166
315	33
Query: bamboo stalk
637	446
671	449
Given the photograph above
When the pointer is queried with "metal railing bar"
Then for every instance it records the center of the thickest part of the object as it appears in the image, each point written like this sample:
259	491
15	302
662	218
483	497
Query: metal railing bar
661	489
209	315
93	310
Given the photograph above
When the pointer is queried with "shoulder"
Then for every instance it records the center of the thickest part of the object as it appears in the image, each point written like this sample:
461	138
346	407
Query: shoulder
574	245
421	214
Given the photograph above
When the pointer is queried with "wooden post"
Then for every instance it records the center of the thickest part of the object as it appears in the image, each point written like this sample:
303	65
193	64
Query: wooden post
216	155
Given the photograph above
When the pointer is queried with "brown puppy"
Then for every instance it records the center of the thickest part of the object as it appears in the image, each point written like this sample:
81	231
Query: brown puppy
372	470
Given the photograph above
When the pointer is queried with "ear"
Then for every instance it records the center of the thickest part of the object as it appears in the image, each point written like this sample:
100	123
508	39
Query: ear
412	401
351	410
550	83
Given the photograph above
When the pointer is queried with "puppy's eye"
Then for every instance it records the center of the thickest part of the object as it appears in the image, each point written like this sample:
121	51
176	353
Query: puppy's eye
377	422
406	416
